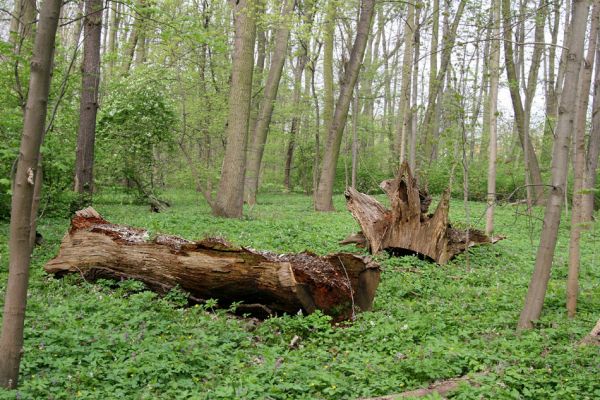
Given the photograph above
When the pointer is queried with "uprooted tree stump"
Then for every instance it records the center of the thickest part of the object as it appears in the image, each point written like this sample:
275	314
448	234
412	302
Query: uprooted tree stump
407	228
264	282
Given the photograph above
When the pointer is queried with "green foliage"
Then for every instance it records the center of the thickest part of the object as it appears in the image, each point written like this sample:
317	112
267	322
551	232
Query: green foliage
109	340
137	121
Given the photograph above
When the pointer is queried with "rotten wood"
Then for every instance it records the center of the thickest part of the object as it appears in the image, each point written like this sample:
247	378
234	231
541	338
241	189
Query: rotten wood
594	336
407	227
268	283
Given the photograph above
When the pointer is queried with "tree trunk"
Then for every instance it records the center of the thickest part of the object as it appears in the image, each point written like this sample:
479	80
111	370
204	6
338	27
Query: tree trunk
302	60
355	144
593	149
435	93
230	196
585	78
407	228
338	285
545	254
88	105
405	95
324	195
551	94
433	62
258	134
521	119
493	125
11	340
414	116
328	44
136	34
112	36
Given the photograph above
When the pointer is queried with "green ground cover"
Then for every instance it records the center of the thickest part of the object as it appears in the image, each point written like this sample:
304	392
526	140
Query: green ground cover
98	341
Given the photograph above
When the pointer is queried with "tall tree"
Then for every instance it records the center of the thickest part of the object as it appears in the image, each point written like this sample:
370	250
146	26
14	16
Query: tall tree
324	194
88	104
298	71
405	94
258	135
328	44
21	221
436	88
230	196
535	189
593	149
493	107
539	281
585	79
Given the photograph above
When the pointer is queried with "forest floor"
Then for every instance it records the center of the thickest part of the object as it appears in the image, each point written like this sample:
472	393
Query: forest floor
106	341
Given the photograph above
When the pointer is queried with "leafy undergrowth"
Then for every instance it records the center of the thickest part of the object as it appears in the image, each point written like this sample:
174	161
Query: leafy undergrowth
105	341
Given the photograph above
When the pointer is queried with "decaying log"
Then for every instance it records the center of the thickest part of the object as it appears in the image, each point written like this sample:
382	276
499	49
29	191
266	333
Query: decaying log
338	284
406	227
594	336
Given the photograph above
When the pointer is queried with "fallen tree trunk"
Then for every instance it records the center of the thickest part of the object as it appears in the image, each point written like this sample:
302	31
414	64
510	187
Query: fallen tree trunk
338	284
407	228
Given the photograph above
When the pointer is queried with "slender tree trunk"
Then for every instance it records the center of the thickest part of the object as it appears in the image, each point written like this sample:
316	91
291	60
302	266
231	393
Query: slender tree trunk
545	254
11	340
22	23
328	43
135	37
405	97
324	195
302	60
88	106
265	110
259	65
593	150
531	164
551	94
355	143
585	79
493	106
435	90
112	36
433	62
230	196
412	148
289	154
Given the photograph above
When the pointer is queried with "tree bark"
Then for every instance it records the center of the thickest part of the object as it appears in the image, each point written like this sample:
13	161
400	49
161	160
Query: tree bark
405	94
88	105
493	125
593	150
112	36
298	70
328	44
435	89
545	254
230	196
407	228
258	134
536	189
338	285
414	117
11	340
585	78
324	194
551	92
